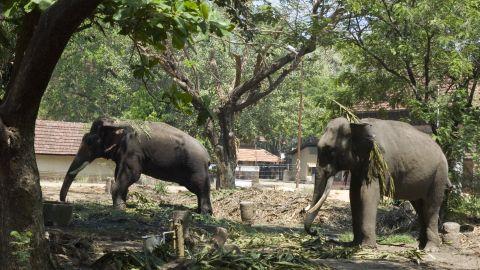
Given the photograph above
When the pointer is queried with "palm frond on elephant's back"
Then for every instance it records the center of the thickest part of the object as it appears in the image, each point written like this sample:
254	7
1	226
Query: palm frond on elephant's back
378	167
141	127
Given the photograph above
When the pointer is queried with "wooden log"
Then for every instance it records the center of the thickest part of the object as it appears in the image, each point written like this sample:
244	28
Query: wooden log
247	212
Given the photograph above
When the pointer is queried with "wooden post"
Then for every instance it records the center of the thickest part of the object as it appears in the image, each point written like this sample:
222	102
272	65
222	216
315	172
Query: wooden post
247	212
179	240
108	185
299	138
180	223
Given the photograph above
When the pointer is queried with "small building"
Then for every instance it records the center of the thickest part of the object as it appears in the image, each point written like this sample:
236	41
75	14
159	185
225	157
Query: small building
308	161
57	143
254	163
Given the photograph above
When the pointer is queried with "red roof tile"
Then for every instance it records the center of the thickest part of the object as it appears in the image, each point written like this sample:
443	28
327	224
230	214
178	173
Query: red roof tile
259	155
58	138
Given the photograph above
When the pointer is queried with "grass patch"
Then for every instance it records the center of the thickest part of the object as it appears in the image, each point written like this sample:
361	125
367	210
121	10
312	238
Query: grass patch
346	237
160	187
397	239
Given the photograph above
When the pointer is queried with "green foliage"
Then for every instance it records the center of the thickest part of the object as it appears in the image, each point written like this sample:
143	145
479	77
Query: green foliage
160	187
422	55
154	22
21	247
346	237
464	207
276	117
14	9
458	124
142	203
92	79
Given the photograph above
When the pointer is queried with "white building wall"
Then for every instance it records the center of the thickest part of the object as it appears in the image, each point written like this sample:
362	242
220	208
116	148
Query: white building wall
54	167
308	156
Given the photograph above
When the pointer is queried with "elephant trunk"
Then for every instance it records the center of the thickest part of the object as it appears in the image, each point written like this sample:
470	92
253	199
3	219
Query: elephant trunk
323	184
77	165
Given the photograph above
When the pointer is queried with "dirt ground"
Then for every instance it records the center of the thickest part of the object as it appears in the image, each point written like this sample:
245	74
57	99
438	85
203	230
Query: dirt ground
97	228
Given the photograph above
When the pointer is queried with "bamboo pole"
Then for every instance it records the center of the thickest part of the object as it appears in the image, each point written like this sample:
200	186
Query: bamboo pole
299	137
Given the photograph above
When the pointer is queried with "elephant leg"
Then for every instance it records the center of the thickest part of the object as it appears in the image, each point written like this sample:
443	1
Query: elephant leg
364	199
356	214
200	186
369	199
431	211
126	176
422	235
431	208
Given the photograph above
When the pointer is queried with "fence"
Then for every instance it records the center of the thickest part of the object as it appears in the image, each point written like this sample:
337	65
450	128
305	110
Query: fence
270	171
285	173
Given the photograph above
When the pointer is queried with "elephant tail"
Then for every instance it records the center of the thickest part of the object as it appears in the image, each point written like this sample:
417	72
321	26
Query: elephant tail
444	207
449	185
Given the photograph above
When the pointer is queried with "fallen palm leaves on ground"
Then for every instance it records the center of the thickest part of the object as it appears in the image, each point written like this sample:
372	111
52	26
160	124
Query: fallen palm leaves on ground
247	247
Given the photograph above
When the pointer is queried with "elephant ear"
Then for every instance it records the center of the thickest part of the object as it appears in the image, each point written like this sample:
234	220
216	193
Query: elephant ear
362	139
111	136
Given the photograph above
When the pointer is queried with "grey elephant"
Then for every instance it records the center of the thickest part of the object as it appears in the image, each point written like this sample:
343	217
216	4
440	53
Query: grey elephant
155	149
417	165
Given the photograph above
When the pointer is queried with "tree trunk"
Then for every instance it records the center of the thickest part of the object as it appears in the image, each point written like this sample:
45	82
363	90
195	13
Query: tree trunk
21	204
20	192
225	148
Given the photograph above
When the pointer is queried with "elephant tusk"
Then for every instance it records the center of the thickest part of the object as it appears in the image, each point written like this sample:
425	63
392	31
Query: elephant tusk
110	148
306	208
323	198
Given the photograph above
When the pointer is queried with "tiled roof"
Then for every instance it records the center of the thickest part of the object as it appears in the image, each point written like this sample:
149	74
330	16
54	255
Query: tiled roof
58	138
259	155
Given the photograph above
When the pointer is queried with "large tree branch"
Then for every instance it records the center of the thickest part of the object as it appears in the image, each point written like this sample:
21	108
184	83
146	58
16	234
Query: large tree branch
256	96
357	39
55	27
473	88
29	22
221	93
194	70
238	69
254	82
169	64
412	80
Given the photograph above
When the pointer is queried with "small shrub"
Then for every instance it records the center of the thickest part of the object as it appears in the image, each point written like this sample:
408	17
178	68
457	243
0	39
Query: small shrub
346	237
160	188
21	246
463	206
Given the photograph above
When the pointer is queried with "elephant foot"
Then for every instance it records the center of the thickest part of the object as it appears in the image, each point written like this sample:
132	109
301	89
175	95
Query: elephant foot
431	247
368	244
120	206
205	211
365	243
